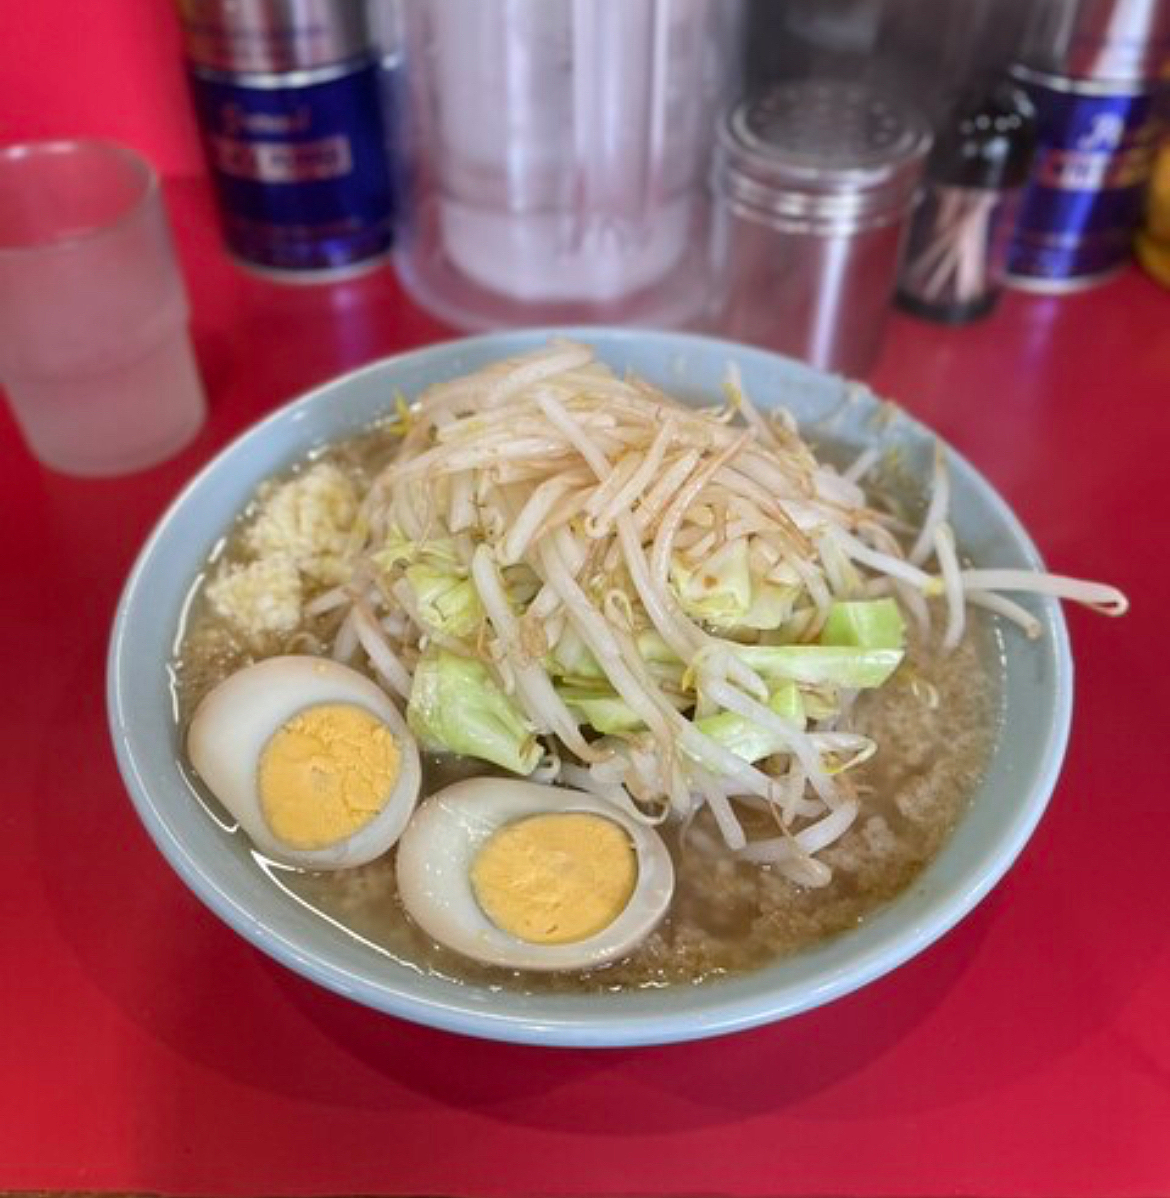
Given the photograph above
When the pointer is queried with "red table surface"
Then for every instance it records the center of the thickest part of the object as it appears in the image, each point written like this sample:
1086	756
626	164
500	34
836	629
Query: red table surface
145	1047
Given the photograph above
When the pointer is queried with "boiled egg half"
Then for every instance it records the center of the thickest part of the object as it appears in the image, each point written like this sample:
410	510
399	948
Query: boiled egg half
527	876
312	759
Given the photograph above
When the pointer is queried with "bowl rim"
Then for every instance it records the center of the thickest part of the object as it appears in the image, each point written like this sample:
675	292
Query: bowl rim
716	1008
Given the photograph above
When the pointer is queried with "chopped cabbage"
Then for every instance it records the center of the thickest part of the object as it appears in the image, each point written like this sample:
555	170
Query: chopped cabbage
447	600
601	709
724	594
835	665
456	706
873	624
748	740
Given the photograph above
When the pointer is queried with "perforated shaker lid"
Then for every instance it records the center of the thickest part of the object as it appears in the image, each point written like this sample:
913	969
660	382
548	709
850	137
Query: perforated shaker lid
823	149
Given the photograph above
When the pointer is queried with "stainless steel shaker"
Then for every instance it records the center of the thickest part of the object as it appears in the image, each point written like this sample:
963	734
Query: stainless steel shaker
812	185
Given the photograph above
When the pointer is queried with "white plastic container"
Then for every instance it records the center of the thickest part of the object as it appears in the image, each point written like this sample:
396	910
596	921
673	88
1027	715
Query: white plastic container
558	153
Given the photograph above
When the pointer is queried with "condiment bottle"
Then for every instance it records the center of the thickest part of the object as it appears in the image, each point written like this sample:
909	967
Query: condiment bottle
1153	240
954	265
1091	69
812	187
287	96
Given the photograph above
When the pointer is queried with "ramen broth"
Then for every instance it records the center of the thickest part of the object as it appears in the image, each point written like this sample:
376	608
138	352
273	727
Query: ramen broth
935	723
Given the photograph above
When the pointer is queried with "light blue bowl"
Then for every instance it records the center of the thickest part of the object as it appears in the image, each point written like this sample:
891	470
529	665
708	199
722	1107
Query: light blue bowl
1002	815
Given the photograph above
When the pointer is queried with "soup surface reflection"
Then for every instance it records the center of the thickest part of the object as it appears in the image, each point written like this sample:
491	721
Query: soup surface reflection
935	722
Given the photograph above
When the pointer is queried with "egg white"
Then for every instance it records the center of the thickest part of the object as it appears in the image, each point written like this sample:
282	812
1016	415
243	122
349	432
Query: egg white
236	720
436	853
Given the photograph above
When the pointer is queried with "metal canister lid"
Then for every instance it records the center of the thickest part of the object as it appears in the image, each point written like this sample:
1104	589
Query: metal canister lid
273	36
822	150
1118	41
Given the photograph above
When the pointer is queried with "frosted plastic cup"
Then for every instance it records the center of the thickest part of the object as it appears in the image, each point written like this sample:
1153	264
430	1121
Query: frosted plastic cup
95	354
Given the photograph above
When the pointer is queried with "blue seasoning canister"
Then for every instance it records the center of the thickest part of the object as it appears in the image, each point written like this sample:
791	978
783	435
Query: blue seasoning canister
1089	67
1084	198
287	93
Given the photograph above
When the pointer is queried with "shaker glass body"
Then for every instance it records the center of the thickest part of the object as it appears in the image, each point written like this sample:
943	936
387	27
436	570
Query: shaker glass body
94	349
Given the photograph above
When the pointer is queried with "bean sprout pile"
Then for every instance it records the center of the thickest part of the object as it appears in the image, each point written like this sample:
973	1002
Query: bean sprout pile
674	609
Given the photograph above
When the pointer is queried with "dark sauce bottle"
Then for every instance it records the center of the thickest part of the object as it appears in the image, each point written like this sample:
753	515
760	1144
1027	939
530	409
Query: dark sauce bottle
954	262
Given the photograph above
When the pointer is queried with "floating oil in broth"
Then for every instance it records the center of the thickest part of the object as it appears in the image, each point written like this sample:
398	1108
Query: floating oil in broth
727	916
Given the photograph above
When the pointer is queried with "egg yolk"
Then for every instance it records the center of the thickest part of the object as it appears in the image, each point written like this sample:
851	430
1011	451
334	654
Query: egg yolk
556	878
325	774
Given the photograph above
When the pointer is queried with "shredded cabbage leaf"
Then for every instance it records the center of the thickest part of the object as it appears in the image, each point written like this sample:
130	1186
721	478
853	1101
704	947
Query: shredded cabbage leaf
456	707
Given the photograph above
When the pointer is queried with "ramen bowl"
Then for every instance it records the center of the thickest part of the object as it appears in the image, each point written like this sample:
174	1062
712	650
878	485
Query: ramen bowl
1002	813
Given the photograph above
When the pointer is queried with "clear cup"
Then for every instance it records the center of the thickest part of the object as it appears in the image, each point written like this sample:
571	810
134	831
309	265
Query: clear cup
95	354
556	152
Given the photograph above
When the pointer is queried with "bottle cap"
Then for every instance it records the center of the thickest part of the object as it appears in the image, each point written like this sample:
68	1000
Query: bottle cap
988	138
822	150
273	36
